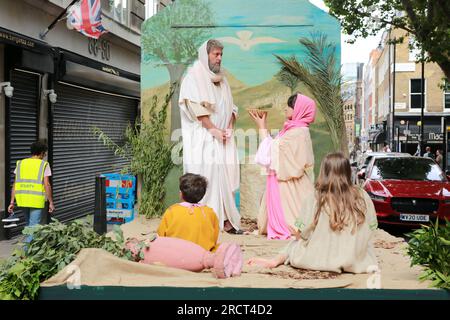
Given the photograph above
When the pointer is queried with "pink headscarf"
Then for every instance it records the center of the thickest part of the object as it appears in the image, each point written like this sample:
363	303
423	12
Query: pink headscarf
304	114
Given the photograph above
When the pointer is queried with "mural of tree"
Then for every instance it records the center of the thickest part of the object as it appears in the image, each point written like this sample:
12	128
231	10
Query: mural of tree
172	38
288	79
322	77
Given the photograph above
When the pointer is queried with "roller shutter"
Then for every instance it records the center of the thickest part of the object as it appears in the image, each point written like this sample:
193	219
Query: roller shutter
22	128
78	156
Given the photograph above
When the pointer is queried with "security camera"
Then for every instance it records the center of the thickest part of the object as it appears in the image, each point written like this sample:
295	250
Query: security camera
8	89
52	96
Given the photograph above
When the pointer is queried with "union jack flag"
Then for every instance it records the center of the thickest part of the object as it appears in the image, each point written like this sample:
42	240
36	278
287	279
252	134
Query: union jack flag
86	17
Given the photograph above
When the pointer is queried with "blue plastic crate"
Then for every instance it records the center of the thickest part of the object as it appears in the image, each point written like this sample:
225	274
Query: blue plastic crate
120	197
119	193
118	216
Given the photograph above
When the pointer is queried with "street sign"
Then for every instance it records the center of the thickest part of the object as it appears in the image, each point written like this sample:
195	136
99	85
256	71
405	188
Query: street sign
406	132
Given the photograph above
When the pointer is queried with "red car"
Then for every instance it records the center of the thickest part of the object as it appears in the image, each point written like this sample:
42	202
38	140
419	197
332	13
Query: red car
407	190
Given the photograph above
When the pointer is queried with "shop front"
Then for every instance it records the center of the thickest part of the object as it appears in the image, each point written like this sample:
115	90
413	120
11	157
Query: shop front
408	134
86	94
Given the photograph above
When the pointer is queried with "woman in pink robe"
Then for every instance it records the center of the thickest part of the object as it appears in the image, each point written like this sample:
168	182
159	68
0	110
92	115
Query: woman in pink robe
289	160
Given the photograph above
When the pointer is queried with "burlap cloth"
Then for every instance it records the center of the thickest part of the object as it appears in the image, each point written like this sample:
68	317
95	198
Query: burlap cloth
95	267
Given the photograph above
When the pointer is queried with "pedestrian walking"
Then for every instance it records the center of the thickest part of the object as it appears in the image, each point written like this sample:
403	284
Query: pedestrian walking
31	186
439	158
428	153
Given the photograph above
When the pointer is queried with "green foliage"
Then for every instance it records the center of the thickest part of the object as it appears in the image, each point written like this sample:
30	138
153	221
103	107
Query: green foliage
427	20
430	247
321	76
173	36
54	246
150	156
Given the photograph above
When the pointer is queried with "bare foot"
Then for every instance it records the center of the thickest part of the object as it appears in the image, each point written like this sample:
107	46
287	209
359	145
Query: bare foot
260	262
227	226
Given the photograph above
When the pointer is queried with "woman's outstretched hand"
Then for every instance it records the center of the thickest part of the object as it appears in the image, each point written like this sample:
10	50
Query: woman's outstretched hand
259	117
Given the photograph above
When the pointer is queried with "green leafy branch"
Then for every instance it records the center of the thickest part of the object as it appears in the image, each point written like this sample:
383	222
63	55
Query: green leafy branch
430	248
52	248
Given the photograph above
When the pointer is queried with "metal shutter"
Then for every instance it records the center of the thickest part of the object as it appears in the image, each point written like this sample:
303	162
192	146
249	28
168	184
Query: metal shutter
22	128
78	156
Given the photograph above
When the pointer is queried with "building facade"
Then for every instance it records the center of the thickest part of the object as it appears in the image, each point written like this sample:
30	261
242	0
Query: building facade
352	95
399	84
369	109
95	83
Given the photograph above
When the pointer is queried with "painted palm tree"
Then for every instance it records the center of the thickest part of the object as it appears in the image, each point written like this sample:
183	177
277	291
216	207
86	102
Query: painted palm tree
321	75
288	79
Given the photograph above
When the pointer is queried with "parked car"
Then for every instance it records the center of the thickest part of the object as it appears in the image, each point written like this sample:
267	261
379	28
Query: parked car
407	190
368	156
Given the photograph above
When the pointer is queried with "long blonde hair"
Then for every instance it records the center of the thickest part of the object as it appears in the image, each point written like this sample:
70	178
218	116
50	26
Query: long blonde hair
337	195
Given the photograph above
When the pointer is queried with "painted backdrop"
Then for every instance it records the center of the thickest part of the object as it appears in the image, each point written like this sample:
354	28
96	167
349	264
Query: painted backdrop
252	31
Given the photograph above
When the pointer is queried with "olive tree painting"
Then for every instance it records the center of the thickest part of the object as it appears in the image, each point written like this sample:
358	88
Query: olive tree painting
171	39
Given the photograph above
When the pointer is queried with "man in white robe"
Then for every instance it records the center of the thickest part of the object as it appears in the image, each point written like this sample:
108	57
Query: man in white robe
208	115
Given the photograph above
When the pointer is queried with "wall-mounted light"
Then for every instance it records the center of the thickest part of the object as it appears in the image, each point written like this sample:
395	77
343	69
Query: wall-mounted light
6	86
52	96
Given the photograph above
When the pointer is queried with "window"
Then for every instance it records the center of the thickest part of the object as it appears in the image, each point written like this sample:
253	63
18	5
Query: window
447	95
130	13
407	168
120	11
415	95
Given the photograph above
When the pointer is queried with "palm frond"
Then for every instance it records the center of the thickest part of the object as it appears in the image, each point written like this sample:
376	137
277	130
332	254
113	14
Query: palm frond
320	74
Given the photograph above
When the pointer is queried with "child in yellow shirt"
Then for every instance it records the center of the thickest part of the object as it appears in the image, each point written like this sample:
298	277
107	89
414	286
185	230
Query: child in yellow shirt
190	220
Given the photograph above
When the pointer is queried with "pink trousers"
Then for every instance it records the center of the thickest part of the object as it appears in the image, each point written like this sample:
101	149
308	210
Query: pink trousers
227	261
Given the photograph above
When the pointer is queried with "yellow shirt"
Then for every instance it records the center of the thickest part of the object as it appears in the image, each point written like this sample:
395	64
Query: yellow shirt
192	225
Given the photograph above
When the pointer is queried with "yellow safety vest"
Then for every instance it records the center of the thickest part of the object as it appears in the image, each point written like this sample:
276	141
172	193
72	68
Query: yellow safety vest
29	186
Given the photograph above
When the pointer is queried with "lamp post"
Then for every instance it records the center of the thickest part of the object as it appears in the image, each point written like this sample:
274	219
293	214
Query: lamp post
419	141
393	100
444	142
422	103
406	134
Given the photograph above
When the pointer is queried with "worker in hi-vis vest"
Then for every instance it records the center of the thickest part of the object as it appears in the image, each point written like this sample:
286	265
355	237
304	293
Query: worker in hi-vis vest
31	186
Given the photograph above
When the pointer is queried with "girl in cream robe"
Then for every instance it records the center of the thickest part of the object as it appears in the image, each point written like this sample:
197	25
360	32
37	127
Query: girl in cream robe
289	160
338	240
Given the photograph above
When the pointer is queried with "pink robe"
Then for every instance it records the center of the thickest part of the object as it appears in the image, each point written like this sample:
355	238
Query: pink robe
291	158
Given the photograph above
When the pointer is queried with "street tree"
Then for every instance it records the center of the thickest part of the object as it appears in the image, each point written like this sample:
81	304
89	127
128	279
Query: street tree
428	21
172	38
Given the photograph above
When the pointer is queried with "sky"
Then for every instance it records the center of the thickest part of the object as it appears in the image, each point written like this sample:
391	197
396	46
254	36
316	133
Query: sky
358	51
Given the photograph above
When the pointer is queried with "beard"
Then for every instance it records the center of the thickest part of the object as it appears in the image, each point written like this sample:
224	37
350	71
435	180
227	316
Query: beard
214	67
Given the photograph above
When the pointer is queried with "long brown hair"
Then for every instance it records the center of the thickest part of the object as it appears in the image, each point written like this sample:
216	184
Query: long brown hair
337	195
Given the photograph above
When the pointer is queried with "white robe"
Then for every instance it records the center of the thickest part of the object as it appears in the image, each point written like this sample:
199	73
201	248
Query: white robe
205	155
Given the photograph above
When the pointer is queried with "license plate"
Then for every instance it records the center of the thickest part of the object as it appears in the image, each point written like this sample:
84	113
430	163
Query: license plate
415	217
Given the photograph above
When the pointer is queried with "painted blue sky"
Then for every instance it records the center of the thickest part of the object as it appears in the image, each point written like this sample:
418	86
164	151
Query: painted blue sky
285	20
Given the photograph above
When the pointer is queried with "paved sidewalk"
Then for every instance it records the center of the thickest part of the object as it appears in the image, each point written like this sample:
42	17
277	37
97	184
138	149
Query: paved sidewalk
7	247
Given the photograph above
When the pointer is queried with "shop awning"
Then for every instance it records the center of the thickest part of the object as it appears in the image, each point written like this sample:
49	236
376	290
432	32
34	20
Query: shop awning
90	73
